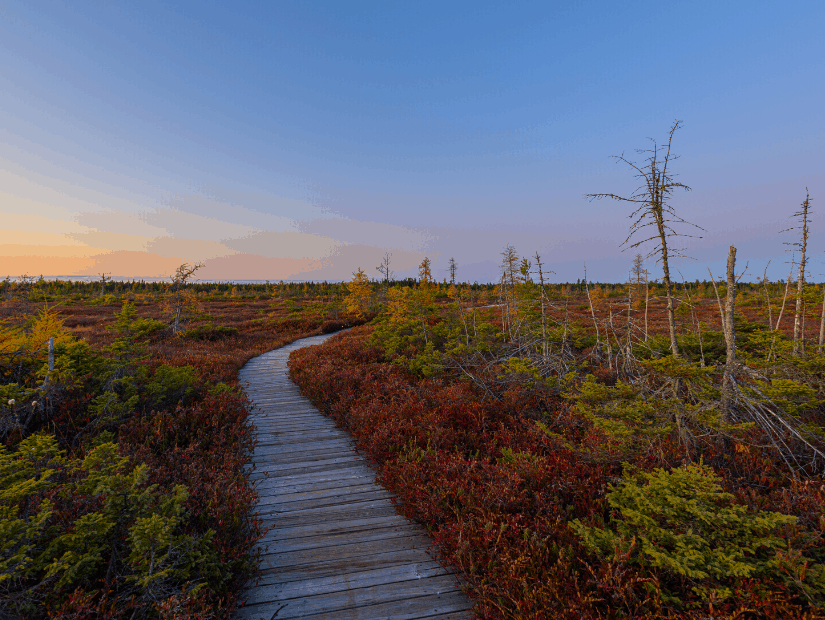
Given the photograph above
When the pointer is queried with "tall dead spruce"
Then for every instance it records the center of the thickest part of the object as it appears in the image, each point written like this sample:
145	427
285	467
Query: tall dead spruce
802	244
654	209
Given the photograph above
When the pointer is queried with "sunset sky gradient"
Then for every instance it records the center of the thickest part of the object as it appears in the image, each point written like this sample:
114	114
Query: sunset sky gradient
302	140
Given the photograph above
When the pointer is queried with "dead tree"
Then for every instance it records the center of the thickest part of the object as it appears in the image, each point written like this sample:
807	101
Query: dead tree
802	244
592	313
653	208
453	269
542	296
728	392
385	271
767	295
822	324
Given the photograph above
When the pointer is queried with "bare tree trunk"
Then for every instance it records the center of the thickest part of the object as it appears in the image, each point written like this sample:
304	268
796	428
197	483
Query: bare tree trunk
802	332
800	281
609	347
629	320
504	321
592	312
671	311
647	303
767	295
822	323
543	317
728	380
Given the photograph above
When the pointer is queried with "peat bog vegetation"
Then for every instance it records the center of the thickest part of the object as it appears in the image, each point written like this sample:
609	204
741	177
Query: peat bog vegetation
122	484
570	466
565	461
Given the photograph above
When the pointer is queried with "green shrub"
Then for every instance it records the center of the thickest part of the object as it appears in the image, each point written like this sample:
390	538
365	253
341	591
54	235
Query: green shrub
170	385
682	523
40	486
210	332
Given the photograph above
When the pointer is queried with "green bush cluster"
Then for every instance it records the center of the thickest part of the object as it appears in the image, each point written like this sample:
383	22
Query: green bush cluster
65	521
682	523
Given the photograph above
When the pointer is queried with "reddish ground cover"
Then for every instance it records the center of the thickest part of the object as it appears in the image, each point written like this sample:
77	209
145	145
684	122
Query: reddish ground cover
498	495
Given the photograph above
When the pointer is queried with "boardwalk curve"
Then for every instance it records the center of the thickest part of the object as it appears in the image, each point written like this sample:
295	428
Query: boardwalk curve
337	548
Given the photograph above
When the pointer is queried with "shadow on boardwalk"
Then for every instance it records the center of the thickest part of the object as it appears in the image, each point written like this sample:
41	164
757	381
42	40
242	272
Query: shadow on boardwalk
336	547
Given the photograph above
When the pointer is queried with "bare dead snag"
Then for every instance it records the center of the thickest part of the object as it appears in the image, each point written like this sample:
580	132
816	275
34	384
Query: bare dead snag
592	312
728	379
653	209
385	271
767	295
543	315
822	323
802	244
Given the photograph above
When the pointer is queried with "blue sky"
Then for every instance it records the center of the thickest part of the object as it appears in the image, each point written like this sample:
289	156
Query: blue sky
305	139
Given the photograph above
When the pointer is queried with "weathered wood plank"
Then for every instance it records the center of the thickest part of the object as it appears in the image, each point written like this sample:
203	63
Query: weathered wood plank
328	541
270	470
281	482
363	597
268	506
322	514
333	527
305	483
273	559
404	609
308	457
341	583
332	568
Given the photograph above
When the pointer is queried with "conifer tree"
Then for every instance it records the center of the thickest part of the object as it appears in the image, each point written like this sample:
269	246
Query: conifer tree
360	293
425	274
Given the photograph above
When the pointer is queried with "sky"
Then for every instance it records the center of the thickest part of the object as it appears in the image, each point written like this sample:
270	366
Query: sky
303	140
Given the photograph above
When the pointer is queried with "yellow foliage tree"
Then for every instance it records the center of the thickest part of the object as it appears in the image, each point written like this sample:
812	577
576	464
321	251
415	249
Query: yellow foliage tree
19	346
425	274
399	302
359	299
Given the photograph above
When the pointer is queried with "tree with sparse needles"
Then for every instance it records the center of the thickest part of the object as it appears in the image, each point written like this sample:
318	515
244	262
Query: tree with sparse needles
453	268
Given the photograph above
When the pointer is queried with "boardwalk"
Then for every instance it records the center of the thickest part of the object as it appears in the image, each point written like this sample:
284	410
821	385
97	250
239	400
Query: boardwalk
336	547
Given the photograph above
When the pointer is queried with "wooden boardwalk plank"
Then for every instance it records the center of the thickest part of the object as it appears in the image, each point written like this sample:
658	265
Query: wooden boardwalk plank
335	547
358	597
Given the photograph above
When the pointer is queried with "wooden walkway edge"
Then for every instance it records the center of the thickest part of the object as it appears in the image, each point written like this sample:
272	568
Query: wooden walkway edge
336	547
